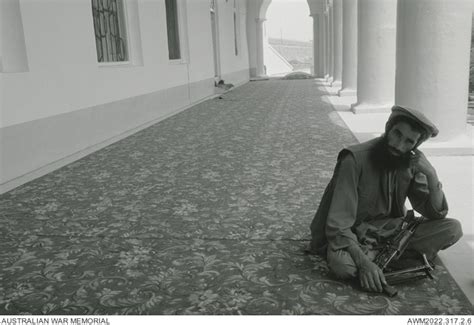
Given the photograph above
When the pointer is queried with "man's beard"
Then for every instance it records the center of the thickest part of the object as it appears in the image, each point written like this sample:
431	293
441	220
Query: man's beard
385	159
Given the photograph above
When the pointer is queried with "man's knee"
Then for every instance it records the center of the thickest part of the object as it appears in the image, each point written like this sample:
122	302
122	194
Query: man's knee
341	264
435	235
453	232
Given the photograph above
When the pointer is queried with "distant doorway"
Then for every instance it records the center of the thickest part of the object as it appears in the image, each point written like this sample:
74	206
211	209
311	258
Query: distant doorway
215	40
288	44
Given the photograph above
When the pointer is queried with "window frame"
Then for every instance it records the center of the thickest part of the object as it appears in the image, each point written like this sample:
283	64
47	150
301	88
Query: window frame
123	28
182	33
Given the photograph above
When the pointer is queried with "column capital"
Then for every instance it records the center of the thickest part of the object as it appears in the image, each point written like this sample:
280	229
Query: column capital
260	20
316	6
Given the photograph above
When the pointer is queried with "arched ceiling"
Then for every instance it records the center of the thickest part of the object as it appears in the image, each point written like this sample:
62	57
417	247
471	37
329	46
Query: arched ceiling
315	6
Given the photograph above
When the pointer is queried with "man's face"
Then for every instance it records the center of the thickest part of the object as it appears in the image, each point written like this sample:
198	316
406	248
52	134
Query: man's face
401	139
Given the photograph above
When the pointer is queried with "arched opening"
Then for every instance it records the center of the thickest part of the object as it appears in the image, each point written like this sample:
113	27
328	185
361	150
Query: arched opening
288	38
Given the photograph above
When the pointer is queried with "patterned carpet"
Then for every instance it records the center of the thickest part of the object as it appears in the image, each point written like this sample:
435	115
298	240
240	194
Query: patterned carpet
206	212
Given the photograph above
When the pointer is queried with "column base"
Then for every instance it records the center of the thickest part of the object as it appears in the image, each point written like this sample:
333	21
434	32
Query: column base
336	84
368	126
259	78
462	145
339	103
346	92
253	72
366	109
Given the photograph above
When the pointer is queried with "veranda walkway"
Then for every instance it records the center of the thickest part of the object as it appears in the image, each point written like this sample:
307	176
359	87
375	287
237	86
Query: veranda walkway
206	212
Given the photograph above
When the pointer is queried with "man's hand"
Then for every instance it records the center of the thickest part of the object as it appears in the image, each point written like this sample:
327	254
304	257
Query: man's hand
371	277
421	163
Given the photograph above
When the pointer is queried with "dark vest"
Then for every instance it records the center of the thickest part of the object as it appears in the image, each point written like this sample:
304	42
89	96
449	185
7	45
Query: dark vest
372	178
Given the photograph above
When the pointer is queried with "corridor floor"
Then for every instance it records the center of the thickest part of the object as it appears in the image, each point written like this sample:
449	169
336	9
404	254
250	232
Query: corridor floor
206	212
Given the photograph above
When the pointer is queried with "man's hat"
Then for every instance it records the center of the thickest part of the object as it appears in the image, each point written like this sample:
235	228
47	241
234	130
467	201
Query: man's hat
417	116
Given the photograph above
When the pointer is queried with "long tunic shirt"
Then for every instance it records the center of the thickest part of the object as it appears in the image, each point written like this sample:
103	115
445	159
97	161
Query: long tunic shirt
364	202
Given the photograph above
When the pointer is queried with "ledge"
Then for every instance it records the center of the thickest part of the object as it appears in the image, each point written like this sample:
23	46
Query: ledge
365	109
462	145
345	92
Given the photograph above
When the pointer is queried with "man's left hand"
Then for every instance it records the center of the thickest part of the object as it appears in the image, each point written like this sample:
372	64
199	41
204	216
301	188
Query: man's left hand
421	163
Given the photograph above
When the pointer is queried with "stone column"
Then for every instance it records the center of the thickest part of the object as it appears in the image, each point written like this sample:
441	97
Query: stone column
326	43
260	61
433	52
317	44
316	8
322	43
376	56
330	43
349	46
337	39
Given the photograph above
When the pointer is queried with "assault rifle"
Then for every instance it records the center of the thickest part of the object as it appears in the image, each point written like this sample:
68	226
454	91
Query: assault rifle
392	251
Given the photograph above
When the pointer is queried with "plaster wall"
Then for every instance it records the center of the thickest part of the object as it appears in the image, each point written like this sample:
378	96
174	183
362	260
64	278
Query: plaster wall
64	74
230	62
12	42
67	103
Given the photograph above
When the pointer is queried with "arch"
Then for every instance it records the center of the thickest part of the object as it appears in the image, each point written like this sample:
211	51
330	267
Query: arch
256	15
262	14
316	6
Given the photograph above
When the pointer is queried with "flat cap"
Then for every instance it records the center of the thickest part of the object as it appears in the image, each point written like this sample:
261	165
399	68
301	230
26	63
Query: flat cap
422	120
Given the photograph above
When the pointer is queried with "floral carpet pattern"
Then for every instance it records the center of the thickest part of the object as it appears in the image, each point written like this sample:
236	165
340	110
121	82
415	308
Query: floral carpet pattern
206	212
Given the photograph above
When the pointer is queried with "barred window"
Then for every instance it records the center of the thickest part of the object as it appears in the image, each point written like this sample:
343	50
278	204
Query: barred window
172	25
110	30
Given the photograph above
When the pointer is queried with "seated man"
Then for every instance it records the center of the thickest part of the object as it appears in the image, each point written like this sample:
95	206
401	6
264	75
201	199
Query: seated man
363	204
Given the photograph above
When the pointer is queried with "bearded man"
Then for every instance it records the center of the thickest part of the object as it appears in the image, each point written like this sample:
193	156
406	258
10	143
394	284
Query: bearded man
364	203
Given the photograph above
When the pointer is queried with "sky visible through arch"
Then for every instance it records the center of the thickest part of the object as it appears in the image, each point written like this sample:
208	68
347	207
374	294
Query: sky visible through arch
289	19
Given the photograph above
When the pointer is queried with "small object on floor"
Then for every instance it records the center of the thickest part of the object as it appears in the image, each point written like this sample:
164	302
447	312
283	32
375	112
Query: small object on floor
298	75
221	84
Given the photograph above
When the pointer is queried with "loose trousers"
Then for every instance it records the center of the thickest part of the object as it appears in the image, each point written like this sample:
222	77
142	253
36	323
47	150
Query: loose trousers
430	237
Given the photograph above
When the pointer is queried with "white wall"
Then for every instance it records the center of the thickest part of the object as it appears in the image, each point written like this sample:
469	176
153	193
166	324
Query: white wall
64	82
229	61
12	57
200	40
64	74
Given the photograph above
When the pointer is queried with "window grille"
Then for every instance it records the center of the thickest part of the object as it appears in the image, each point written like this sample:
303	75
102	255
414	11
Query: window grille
110	32
173	29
